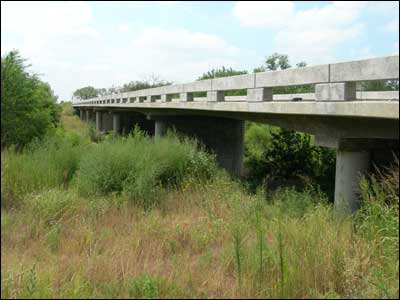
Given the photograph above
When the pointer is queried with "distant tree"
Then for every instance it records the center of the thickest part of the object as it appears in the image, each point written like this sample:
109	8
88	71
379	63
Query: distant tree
86	92
379	85
29	107
221	72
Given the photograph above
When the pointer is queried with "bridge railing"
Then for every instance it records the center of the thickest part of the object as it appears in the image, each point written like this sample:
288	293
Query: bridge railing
333	82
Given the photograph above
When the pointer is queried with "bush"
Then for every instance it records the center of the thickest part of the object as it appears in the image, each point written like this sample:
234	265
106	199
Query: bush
140	166
279	156
28	105
42	164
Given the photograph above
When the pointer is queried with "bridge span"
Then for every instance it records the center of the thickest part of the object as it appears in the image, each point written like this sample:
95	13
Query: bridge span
363	127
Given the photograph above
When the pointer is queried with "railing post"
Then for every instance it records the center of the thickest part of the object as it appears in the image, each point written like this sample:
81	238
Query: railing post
216	96
186	97
259	94
338	91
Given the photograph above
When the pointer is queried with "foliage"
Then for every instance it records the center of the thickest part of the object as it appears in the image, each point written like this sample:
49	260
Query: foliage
379	85
91	92
86	92
28	105
43	164
113	166
288	157
221	72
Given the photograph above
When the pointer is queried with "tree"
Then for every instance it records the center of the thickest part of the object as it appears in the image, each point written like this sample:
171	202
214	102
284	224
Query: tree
86	92
28	105
222	72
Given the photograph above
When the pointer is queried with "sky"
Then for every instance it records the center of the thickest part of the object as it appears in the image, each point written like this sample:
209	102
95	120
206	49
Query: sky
75	44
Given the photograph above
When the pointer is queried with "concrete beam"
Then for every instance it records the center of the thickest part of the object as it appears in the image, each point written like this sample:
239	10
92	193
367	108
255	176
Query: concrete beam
380	68
290	77
233	82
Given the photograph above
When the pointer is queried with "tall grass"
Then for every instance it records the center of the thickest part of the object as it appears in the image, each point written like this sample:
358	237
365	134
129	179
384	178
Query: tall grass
140	167
49	163
78	236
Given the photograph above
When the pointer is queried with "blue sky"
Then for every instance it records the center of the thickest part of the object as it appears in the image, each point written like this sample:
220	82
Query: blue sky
73	44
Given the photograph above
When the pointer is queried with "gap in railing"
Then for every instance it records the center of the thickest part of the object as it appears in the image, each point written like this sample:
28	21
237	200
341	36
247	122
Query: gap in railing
199	94
377	85
295	89
239	92
173	96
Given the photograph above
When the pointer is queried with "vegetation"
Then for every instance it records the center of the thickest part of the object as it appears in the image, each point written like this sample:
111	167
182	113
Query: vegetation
28	105
277	157
92	216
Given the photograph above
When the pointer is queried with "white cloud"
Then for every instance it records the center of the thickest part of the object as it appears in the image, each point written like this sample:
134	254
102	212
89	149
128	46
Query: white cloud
309	34
393	26
123	28
61	42
178	54
271	14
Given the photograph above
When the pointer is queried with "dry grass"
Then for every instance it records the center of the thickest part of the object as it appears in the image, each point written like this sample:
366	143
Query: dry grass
104	247
203	240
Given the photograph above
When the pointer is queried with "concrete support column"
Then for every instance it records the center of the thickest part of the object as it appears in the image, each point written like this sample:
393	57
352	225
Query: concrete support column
160	128
350	164
117	123
81	114
87	116
98	121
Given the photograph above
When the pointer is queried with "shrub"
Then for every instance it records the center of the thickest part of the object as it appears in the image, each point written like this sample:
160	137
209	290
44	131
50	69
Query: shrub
140	166
279	156
42	164
28	105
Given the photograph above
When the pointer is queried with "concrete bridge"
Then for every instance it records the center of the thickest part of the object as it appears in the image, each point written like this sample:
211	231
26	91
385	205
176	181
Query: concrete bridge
363	127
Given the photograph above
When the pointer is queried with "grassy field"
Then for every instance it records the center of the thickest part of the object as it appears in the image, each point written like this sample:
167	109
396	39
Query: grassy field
143	218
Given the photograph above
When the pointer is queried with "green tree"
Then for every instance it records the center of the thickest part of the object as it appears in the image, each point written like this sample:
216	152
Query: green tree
221	72
86	92
28	105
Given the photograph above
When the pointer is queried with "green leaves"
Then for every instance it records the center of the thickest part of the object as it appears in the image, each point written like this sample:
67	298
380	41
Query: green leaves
28	105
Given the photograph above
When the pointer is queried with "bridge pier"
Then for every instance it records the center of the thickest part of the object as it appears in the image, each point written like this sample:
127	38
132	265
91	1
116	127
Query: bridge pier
356	157
98	120
160	128
88	115
350	166
116	118
81	111
222	136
